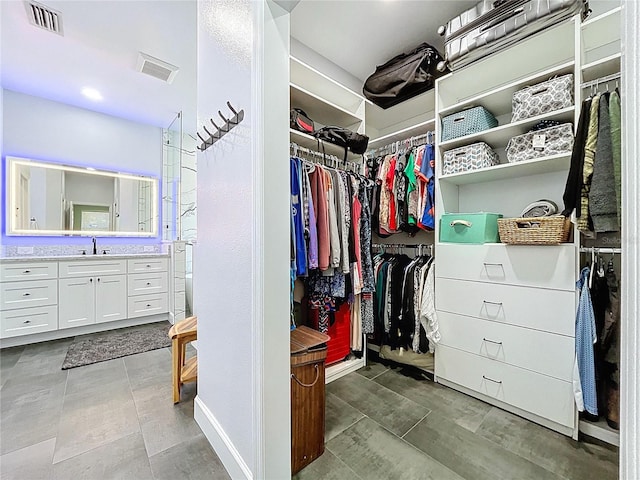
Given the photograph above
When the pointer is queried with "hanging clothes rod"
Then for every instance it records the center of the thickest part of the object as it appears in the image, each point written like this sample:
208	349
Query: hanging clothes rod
325	158
598	81
414	141
605	250
417	246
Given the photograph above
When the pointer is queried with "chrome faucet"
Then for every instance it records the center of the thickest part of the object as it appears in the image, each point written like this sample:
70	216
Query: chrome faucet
95	248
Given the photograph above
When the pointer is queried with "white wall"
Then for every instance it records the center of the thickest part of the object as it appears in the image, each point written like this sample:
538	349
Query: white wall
240	291
42	129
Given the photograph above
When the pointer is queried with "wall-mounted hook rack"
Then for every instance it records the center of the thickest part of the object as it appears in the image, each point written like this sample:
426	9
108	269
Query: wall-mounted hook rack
229	124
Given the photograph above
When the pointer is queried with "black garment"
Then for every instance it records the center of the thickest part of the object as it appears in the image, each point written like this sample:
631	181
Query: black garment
397	278
573	186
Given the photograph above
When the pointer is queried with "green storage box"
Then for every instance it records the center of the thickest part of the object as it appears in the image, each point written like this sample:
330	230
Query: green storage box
469	227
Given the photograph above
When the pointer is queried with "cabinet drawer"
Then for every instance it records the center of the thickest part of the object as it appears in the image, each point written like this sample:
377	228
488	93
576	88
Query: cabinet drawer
11	272
90	267
141	283
150	304
37	293
538	308
25	321
535	266
539	394
541	352
142	265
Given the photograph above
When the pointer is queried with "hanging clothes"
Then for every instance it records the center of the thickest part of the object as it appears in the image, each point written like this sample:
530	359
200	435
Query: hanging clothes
585	339
584	221
616	141
573	187
602	198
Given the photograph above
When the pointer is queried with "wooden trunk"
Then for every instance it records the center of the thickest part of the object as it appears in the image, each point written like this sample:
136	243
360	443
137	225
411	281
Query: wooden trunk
307	407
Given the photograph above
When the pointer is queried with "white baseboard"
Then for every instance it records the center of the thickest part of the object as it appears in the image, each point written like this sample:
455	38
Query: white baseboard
221	443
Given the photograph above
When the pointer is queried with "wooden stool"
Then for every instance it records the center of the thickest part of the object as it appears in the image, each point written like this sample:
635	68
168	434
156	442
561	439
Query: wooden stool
182	371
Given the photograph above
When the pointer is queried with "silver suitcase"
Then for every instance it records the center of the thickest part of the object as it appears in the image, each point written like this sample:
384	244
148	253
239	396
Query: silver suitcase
491	26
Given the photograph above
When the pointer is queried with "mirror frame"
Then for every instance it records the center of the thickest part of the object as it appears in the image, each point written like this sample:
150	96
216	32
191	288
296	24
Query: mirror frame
11	193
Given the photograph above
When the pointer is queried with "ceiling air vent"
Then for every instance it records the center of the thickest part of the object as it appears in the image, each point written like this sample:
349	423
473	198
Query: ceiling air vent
156	67
44	17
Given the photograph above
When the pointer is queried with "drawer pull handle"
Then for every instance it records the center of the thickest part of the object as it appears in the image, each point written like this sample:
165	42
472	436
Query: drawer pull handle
466	223
26	294
98	278
91	280
148	283
492	380
148	266
492	265
27	271
492	303
148	305
492	341
27	321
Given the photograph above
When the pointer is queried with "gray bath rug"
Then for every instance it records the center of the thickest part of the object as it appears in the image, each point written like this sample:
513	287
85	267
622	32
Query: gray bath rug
100	347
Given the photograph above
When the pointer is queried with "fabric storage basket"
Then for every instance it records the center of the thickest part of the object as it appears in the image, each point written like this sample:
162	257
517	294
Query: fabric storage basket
467	122
535	230
545	97
469	227
541	143
471	157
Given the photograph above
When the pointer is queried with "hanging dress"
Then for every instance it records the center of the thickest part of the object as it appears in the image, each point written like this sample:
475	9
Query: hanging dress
585	338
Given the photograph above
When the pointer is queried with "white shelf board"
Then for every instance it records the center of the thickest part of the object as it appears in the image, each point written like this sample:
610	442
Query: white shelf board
415	108
601	431
404	133
602	67
554	163
306	140
541	51
320	110
323	86
602	29
499	100
499	136
340	369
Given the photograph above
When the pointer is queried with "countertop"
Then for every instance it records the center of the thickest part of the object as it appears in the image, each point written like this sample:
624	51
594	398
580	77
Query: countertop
118	256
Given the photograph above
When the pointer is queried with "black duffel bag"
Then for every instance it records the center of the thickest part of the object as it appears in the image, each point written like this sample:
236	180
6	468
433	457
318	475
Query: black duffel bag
403	77
343	137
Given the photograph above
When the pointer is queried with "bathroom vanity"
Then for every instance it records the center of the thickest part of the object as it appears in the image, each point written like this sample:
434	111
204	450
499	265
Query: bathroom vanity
43	298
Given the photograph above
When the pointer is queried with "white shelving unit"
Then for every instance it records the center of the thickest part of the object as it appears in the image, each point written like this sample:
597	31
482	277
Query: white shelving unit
491	371
327	102
600	52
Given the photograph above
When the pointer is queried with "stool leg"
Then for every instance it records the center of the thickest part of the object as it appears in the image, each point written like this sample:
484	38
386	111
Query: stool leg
175	368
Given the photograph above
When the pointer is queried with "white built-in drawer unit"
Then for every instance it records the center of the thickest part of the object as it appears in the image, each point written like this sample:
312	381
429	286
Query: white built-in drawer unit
145	265
90	267
148	286
30	293
551	267
149	304
16	271
144	283
537	308
541	352
539	394
25	321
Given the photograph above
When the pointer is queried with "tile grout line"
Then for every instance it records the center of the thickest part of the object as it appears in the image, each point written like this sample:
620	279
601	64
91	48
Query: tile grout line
415	425
381	373
357	477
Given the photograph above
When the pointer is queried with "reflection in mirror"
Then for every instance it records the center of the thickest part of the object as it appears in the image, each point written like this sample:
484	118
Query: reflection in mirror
53	199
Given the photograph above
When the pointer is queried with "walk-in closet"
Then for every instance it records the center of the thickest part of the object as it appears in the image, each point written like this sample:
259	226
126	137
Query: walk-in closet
493	330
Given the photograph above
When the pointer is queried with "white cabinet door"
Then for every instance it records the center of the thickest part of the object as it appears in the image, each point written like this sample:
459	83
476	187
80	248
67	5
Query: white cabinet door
111	298
76	302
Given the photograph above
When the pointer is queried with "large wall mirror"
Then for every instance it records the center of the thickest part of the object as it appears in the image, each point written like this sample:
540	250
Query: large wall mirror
53	199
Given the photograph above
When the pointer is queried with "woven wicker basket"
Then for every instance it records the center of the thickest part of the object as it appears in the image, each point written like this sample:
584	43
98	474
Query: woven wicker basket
534	230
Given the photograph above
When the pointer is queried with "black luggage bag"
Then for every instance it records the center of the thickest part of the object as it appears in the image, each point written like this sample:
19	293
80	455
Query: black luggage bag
403	77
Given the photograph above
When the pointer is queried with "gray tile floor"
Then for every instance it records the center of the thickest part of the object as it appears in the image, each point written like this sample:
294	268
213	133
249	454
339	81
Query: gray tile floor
116	420
392	423
109	420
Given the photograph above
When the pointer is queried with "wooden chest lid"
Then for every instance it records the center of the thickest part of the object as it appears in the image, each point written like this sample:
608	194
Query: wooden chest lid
304	338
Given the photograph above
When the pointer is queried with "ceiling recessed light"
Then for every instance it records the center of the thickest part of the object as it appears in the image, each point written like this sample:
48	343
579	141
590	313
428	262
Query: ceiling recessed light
92	94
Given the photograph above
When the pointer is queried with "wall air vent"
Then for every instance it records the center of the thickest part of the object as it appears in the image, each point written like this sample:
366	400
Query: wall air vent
44	17
156	68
